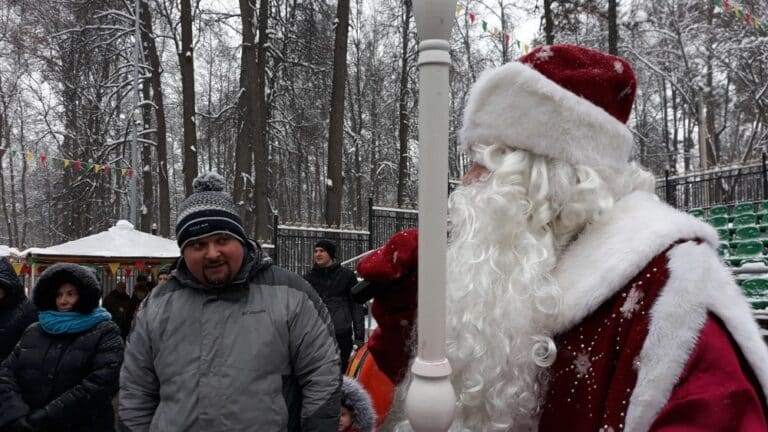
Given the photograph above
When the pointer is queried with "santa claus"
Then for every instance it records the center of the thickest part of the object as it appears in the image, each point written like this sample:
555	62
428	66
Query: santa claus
577	301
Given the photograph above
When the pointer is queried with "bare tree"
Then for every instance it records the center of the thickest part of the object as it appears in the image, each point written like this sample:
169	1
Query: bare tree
335	182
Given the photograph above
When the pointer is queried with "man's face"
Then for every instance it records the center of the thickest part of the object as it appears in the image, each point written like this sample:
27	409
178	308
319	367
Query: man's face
120	287
161	279
214	260
322	259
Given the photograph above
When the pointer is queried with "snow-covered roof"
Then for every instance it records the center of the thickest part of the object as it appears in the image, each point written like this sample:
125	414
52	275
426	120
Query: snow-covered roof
121	241
6	251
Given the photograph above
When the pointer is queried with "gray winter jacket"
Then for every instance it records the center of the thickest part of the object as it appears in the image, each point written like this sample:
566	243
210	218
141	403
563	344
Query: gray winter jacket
259	355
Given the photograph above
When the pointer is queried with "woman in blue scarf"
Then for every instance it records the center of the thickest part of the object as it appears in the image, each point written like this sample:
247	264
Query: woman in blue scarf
63	373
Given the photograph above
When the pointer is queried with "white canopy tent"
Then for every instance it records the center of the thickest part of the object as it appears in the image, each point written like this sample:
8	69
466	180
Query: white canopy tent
120	244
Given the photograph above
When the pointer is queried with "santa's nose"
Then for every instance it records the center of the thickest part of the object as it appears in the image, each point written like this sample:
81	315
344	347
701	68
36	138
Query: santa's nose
474	173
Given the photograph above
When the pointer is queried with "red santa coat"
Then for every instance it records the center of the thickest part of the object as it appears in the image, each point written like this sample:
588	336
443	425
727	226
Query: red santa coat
653	333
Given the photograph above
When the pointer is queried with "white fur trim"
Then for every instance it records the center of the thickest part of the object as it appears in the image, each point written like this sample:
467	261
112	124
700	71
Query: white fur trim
615	248
698	283
517	106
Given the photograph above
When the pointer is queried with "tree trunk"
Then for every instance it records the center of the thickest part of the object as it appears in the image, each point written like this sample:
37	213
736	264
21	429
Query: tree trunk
247	104
335	182
260	144
549	23
164	200
613	28
187	64
403	129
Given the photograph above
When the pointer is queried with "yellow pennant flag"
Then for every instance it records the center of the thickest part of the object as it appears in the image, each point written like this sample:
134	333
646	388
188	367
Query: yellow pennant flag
123	171
459	8
17	268
66	162
30	156
96	168
113	267
495	31
155	269
525	48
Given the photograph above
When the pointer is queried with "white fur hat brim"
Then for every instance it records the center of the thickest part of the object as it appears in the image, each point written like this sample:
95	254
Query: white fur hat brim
516	106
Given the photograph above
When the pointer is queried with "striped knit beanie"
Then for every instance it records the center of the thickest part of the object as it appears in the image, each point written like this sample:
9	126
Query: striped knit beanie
208	210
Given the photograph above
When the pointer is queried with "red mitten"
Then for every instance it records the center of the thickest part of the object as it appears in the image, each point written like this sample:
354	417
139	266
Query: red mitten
392	269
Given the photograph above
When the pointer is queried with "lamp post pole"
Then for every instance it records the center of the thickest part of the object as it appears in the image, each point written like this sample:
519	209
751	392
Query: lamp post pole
430	400
136	117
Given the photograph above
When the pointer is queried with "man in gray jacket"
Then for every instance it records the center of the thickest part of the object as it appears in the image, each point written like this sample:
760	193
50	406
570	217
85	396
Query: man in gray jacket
230	342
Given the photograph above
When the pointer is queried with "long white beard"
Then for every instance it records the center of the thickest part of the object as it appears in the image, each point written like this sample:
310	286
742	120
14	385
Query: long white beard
499	293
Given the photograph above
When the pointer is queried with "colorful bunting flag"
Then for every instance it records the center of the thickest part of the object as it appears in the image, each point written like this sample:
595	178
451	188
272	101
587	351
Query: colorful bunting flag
42	160
741	13
113	267
17	266
66	162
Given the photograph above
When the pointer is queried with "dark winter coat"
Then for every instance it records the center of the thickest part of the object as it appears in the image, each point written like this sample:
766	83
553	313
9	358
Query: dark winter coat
120	306
16	311
334	284
255	355
64	382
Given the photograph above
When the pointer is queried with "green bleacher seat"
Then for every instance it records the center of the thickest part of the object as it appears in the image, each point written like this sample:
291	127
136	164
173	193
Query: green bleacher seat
718	211
747	251
745	233
744	219
724	249
758	304
755	288
762	210
698	212
742	208
719	221
724	234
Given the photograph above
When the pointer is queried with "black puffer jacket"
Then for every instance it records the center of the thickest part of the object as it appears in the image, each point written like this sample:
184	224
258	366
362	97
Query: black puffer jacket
16	311
63	382
334	285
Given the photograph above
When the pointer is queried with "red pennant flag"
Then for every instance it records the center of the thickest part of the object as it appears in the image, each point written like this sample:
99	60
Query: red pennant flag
726	4
139	265
128	271
76	165
42	160
472	18
506	38
130	173
748	18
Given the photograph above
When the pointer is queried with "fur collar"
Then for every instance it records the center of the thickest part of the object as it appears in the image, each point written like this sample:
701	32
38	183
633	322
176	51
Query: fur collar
613	249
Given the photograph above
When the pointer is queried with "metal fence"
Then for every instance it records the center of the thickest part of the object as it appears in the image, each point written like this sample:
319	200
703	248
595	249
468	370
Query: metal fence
293	246
384	222
717	187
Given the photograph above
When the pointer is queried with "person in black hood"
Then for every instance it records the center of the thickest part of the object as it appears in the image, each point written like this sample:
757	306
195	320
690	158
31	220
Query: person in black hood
63	373
16	311
334	285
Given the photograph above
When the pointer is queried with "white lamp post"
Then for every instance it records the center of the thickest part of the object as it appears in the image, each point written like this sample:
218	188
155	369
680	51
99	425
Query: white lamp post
430	400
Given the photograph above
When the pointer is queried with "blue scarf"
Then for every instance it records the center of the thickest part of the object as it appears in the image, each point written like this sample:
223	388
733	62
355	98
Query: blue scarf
72	322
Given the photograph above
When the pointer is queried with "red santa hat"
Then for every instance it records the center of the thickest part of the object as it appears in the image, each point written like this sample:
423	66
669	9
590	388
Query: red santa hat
563	101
